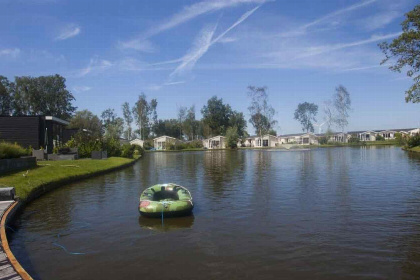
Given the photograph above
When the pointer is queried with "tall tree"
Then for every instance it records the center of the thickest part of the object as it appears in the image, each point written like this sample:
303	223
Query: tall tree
342	106
112	124
216	115
153	108
6	96
45	95
182	115
167	127
262	114
128	119
406	50
328	114
190	123
237	120
142	111
87	121
305	114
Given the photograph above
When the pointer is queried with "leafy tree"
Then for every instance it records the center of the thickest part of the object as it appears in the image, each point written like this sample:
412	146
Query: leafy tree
182	115
6	96
128	119
237	120
190	124
216	115
88	121
406	49
329	114
142	111
272	132
112	124
167	127
45	95
305	114
232	137
342	106
262	114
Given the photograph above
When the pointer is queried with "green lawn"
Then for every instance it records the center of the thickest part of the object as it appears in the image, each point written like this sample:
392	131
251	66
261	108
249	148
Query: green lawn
54	171
415	149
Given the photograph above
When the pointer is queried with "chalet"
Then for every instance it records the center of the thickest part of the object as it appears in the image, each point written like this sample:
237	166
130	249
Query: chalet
217	142
137	142
163	142
33	131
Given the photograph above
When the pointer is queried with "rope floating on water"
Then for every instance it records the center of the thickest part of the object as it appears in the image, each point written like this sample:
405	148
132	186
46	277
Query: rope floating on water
84	225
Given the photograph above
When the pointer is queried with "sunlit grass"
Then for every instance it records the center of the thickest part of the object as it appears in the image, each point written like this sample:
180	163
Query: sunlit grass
54	171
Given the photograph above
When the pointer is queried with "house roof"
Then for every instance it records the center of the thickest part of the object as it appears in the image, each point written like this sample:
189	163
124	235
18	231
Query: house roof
165	137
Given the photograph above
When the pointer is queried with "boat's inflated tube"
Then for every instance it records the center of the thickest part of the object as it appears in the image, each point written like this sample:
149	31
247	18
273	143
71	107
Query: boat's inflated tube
167	200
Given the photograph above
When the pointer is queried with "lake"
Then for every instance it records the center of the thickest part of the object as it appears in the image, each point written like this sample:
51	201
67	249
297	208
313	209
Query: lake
326	213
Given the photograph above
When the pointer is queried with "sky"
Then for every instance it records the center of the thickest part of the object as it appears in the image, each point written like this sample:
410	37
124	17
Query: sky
184	52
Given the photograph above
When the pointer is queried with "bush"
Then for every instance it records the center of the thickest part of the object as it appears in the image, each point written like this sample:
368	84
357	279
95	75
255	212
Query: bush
127	151
9	150
323	140
232	137
148	144
112	147
354	139
195	144
413	141
400	139
138	150
380	138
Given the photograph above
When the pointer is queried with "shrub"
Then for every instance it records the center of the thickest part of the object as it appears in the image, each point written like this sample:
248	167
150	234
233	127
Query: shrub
232	137
323	140
380	138
138	150
112	146
9	150
127	150
354	139
148	144
413	141
400	139
195	144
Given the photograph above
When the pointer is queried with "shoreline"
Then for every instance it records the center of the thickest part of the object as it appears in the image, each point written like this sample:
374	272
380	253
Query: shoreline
18	205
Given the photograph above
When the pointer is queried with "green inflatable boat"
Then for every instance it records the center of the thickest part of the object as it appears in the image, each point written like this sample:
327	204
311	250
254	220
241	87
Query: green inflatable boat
165	200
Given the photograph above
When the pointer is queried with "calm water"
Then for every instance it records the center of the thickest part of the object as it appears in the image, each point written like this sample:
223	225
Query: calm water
337	213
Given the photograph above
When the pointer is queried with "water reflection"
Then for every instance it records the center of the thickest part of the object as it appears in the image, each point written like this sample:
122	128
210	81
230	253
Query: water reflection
168	224
332	213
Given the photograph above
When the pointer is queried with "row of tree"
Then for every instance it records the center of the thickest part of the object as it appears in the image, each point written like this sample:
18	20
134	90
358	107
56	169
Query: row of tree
44	95
336	112
47	95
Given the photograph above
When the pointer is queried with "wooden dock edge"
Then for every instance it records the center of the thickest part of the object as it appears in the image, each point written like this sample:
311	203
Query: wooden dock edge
5	244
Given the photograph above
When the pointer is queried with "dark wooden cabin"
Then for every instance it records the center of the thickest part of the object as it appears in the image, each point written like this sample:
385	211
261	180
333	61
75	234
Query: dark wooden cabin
34	131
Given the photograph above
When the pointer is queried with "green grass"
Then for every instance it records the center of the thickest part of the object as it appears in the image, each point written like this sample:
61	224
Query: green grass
415	149
54	171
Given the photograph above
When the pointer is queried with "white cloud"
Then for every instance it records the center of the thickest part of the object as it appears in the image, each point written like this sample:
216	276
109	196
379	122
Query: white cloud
186	14
174	83
68	31
228	40
142	45
301	30
10	52
379	20
95	65
203	42
324	49
79	89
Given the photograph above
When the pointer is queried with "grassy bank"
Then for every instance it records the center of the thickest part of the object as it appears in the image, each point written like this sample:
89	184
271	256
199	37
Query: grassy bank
49	172
415	149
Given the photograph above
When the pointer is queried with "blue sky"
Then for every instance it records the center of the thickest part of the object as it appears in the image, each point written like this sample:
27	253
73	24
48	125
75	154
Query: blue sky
184	52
